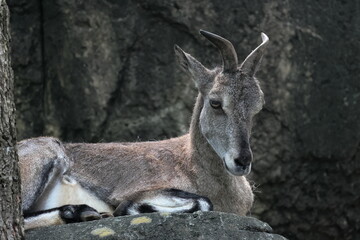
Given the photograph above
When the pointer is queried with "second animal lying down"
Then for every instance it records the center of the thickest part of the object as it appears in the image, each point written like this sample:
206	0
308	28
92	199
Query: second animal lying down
172	175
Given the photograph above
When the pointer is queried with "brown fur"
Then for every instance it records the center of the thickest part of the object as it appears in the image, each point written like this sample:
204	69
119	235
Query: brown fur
187	163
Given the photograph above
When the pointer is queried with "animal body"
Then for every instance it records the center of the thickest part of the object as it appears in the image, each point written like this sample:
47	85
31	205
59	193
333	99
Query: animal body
202	170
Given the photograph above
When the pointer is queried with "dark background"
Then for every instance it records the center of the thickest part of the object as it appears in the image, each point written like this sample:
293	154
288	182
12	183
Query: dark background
99	71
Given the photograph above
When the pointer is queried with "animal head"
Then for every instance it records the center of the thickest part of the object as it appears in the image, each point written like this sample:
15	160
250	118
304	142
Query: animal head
232	96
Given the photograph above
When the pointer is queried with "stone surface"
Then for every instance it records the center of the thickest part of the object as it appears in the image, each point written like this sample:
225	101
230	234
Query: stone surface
105	71
199	225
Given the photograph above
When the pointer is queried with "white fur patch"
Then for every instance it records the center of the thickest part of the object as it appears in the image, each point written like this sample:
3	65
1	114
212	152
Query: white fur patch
170	204
229	161
133	210
69	191
204	205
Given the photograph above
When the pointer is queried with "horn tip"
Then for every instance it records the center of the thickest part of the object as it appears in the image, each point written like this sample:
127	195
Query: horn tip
205	33
264	37
177	48
178	51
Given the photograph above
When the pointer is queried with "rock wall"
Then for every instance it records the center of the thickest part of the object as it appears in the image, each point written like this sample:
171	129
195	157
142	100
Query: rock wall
105	71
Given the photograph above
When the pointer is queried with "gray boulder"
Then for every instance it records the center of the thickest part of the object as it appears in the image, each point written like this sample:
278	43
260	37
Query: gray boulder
199	225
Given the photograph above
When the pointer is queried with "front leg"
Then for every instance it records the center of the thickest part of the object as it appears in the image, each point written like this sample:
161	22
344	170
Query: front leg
166	200
61	215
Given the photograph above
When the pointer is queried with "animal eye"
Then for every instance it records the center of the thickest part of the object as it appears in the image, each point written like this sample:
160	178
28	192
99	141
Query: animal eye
215	104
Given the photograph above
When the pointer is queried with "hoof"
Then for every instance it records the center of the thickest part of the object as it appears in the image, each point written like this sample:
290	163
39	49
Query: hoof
106	215
78	213
87	216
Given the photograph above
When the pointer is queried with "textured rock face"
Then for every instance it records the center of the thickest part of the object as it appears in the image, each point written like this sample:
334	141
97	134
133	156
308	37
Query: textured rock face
105	71
200	225
27	61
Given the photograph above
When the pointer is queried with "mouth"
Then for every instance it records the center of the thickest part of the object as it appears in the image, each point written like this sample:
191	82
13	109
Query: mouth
238	170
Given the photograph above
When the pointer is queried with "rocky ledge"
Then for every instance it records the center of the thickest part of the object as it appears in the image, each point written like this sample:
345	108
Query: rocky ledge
199	225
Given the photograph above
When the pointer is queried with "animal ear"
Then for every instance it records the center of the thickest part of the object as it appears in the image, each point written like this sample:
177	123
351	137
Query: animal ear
192	66
252	62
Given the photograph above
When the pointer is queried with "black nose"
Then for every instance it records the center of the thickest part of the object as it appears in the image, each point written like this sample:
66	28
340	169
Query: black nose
245	159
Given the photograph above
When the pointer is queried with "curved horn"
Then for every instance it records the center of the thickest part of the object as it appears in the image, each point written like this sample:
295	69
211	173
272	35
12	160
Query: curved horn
252	62
228	53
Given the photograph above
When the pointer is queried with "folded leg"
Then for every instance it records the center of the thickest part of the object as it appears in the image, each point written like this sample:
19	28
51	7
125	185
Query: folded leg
166	200
61	215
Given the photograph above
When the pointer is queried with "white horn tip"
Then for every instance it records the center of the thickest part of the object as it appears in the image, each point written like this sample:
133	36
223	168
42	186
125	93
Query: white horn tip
264	37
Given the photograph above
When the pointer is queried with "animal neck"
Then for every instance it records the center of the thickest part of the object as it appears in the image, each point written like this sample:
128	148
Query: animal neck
200	149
